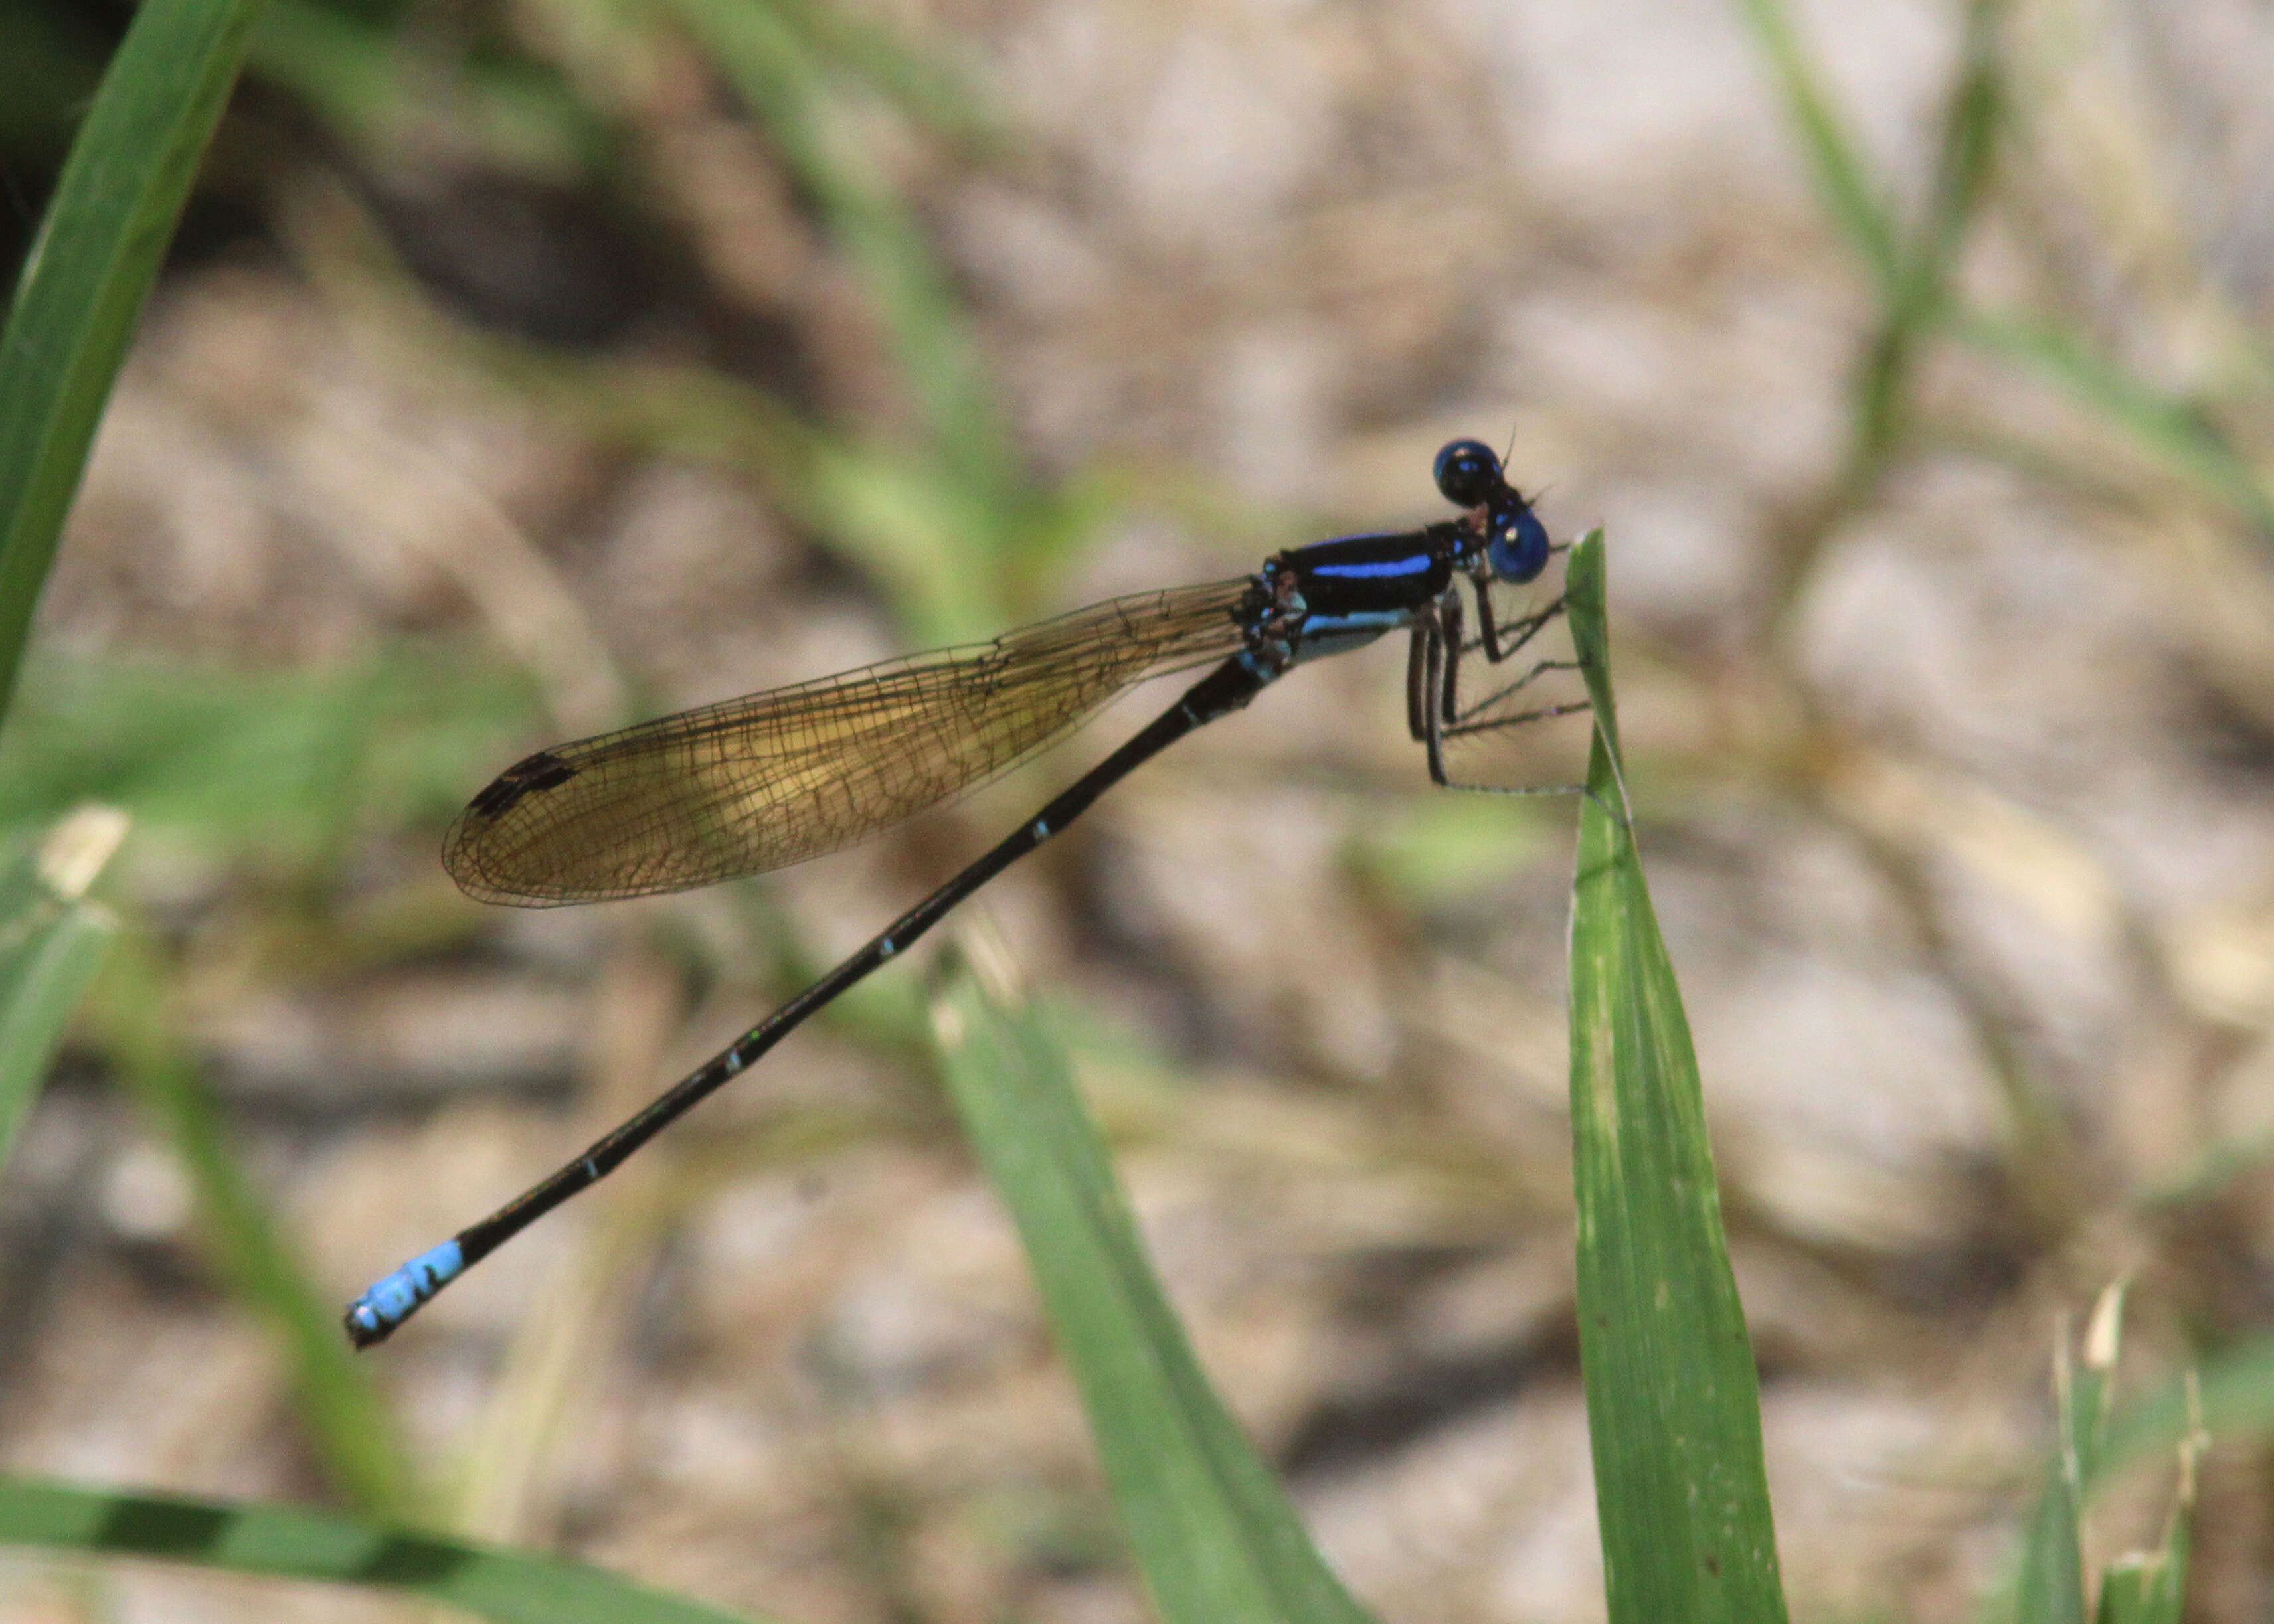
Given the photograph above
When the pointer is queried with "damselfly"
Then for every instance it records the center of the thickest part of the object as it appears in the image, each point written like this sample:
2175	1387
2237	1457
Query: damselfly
762	782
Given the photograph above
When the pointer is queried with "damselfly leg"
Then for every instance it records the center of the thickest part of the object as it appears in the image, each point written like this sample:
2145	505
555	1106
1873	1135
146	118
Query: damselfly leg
1434	709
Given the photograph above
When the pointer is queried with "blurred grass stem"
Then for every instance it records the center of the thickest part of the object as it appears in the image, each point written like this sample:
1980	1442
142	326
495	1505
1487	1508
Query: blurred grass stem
132	1021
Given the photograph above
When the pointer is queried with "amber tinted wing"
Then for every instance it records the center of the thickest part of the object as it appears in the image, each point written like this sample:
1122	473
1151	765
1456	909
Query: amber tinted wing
777	777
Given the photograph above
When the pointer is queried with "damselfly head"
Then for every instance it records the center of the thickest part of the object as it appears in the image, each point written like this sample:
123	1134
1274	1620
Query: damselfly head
1516	542
1469	473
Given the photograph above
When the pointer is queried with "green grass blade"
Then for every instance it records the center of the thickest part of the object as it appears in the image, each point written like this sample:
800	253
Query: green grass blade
2051	1587
288	1543
2149	1587
2090	1392
52	942
1834	157
793	91
2165	428
1965	151
921	82
353	1434
946	527
353	67
1673	1404
1921	295
260	770
2233	1397
39	986
1213	1532
82	287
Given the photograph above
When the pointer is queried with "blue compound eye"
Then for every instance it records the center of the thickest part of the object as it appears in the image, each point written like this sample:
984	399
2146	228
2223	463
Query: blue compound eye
1517	550
1468	473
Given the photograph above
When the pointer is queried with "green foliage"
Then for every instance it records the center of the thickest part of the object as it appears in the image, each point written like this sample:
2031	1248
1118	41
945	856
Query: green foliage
52	942
1212	1531
277	769
2146	1587
2166	430
2233	1395
349	67
82	288
948	525
510	1586
2051	1587
354	1434
1914	268
1915	272
279	764
1448	848
1857	202
1672	1406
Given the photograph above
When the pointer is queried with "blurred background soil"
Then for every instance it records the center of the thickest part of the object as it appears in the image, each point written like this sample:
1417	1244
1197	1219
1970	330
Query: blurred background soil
526	366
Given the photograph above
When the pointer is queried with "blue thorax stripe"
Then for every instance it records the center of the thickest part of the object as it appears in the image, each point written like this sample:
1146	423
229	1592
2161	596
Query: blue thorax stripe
1418	564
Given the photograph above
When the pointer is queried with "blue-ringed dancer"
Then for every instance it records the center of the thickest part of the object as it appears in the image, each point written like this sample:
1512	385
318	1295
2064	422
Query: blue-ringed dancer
771	779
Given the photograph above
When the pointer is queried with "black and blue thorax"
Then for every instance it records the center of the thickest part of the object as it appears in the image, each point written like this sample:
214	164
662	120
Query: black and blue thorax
1309	602
1336	595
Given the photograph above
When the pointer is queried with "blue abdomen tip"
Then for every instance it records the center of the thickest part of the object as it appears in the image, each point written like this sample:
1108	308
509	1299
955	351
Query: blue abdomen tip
391	1301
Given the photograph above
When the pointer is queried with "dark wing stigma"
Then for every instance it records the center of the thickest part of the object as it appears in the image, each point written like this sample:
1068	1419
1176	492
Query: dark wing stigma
541	771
